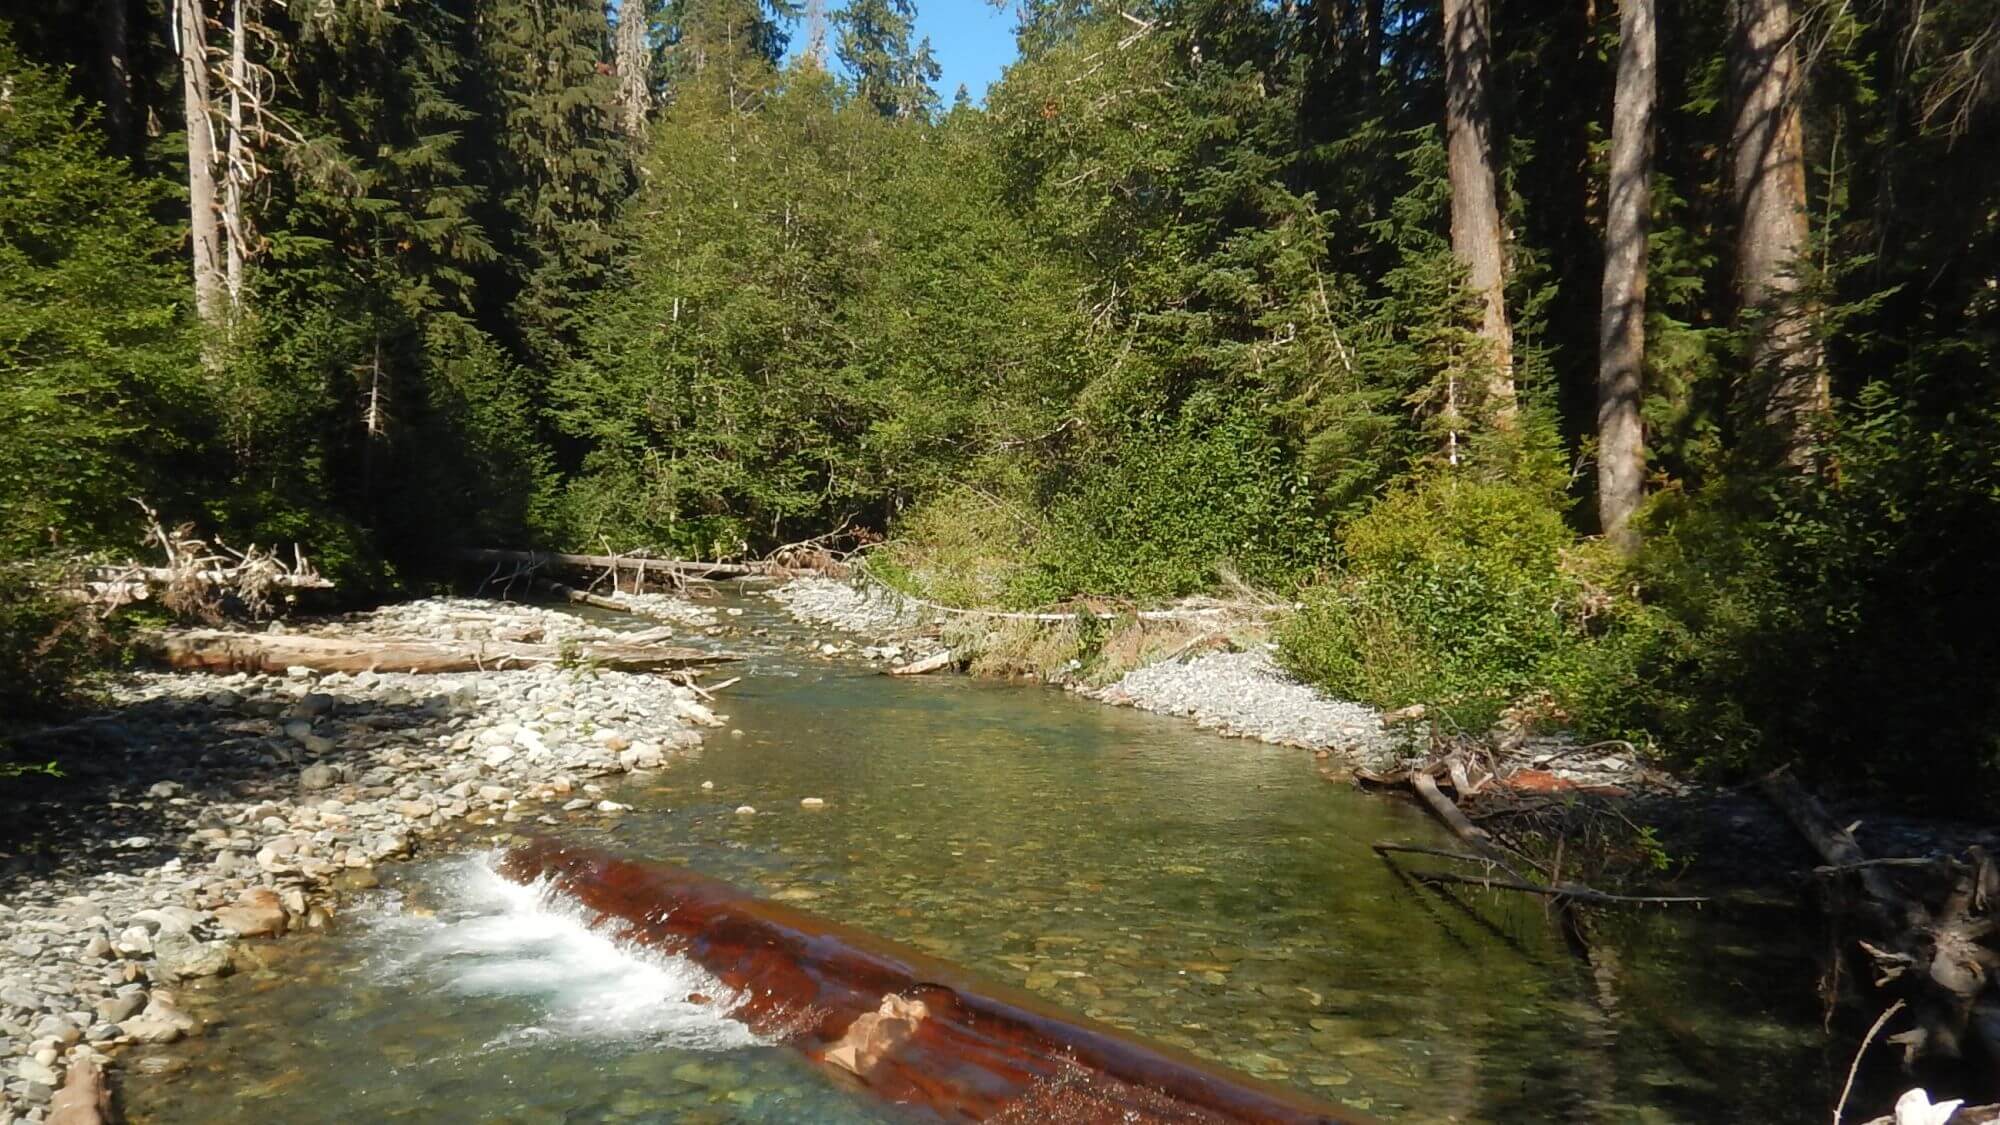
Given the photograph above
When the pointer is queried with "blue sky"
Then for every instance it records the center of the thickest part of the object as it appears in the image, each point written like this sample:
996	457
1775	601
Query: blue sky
973	41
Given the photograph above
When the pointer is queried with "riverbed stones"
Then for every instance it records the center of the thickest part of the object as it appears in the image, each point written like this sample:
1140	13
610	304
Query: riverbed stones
257	912
254	787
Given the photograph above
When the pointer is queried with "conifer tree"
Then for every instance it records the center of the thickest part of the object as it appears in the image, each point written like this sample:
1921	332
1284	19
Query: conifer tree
889	72
558	165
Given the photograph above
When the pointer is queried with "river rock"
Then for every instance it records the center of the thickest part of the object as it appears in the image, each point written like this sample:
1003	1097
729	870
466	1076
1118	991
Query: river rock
59	1028
31	1070
178	957
257	912
119	1008
316	777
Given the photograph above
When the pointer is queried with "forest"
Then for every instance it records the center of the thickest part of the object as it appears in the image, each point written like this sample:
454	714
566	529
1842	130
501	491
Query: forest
1628	368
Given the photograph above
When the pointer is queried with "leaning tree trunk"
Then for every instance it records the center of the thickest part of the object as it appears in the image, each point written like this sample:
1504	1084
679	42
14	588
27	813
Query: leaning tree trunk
635	87
1475	207
1769	180
1621	329
207	243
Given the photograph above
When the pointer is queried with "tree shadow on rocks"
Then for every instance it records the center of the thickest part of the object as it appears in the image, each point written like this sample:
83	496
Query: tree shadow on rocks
179	754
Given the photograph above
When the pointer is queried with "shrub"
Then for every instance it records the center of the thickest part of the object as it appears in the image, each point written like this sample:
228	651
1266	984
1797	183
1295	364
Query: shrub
1176	509
1451	596
964	547
48	646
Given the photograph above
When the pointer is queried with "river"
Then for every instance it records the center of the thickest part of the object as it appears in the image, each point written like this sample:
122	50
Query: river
1214	894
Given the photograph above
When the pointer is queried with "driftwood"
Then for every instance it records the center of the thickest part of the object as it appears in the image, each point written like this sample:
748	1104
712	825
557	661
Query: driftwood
930	663
1488	853
907	1027
208	650
1929	950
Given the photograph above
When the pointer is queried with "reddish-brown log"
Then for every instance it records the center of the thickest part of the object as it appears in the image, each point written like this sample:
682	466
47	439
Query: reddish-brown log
936	1036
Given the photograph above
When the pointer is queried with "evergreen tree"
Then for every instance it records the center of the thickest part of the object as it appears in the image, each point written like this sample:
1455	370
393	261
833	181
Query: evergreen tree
556	166
889	73
96	398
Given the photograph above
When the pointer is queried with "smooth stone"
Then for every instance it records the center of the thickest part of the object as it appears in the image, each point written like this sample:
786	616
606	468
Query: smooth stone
257	912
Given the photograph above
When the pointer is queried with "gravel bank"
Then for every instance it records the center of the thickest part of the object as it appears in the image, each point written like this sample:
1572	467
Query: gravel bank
1242	694
872	610
200	812
1246	695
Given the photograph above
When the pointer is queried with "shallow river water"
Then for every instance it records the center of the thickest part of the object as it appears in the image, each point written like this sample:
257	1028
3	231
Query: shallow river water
1211	893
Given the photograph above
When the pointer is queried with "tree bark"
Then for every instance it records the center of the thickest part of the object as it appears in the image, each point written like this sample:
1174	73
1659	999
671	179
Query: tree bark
1621	334
1769	180
115	49
190	32
237	169
635	87
1476	237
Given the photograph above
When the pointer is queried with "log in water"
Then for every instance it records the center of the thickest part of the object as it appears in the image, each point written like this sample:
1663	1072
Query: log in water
908	1027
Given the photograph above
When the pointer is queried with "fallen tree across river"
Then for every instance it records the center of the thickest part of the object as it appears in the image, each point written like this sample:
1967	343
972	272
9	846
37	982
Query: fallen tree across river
210	650
907	1027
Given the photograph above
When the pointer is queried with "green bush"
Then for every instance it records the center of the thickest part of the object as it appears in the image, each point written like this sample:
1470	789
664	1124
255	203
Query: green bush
963	547
1176	509
1452	596
1841	623
48	647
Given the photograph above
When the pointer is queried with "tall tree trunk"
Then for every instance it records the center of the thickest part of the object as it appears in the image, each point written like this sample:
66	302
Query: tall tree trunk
1475	206
1621	328
1769	177
237	170
207	246
635	78
115	49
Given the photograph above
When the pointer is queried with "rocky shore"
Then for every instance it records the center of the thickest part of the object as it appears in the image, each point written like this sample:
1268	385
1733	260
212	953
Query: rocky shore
199	815
1239	694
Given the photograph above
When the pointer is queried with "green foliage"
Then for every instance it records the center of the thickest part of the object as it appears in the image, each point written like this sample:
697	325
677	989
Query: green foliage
1825	622
49	647
1178	509
1451	596
890	73
95	358
963	547
824	314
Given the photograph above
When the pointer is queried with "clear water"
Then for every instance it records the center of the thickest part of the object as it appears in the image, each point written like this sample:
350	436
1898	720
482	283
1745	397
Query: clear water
1211	893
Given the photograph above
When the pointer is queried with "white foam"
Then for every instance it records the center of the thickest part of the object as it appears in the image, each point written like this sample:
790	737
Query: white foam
492	937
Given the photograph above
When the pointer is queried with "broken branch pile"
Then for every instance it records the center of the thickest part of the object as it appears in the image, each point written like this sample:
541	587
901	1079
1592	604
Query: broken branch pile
1924	931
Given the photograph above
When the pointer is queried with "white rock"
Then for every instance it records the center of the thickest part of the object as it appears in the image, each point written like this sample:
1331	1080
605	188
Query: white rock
811	803
745	810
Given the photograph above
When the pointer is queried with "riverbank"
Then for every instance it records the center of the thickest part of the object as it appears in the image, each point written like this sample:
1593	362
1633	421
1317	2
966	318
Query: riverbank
201	814
1237	694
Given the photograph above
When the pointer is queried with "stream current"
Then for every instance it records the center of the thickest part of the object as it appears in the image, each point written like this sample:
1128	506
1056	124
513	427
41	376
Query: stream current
1210	893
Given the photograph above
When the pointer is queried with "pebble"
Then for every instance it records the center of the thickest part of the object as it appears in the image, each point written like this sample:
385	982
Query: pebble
276	835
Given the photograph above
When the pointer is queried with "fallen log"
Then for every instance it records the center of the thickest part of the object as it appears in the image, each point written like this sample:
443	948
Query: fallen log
908	1027
209	650
930	663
